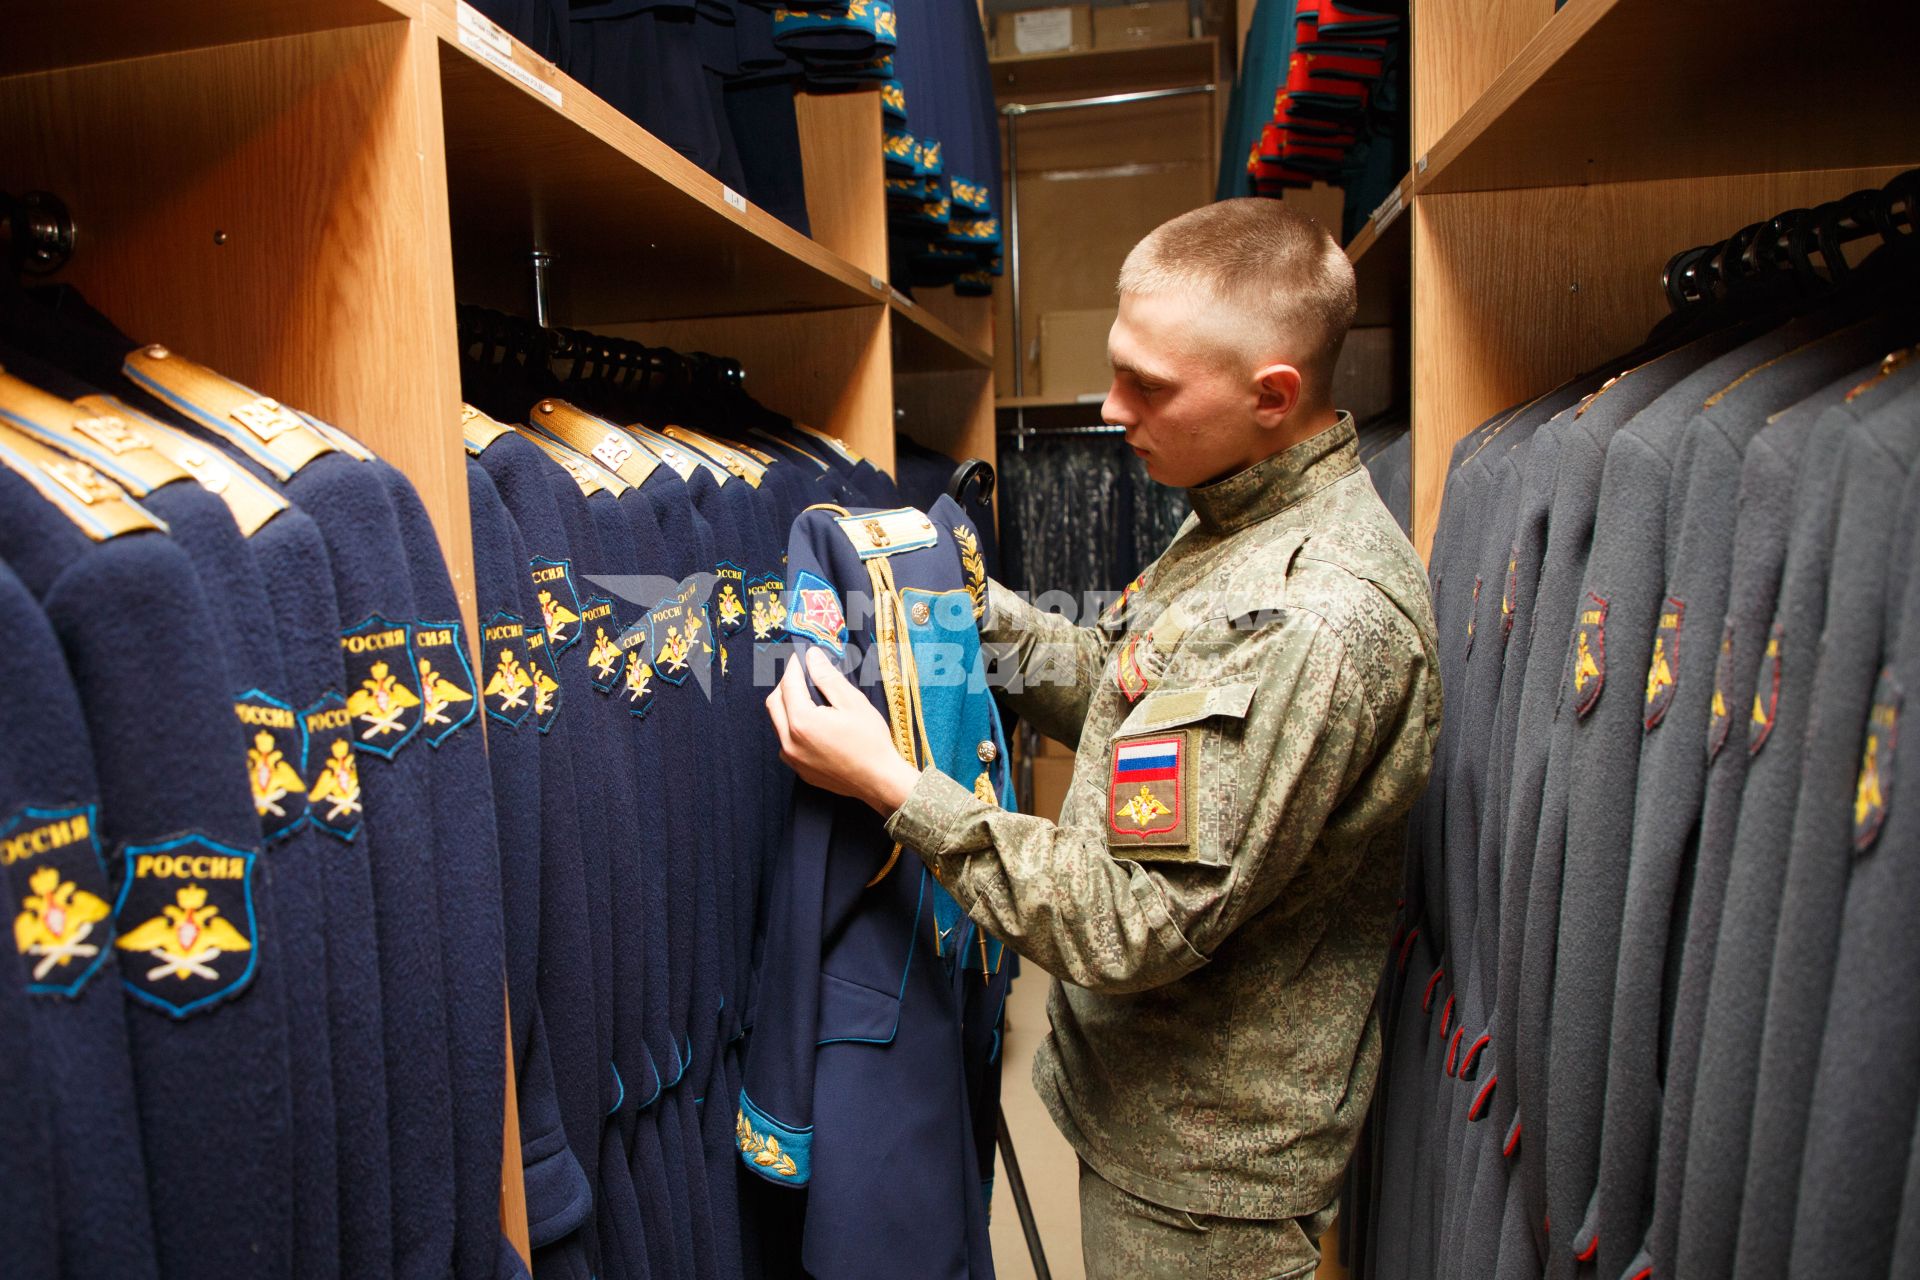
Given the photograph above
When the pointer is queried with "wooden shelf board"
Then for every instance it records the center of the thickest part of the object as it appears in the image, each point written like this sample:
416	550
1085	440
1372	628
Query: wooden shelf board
1039	76
637	231
43	36
1630	90
1092	399
924	343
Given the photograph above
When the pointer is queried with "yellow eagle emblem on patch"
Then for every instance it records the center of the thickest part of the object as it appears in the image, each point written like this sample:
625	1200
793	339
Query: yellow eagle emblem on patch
605	657
509	682
381	700
731	610
270	776
1143	808
1660	672
639	678
1584	667
556	617
544	687
677	648
186	938
441	694
769	615
56	921
338	786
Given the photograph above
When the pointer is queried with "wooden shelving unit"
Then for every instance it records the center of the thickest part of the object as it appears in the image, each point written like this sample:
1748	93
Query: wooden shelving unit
296	193
1036	77
1562	157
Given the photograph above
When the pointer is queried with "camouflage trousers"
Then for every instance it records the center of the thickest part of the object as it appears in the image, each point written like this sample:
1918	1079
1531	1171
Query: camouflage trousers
1123	1237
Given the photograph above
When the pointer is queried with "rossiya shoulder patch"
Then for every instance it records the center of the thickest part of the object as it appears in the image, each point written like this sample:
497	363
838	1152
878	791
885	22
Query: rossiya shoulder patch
1873	793
508	687
332	771
766	595
678	636
1720	719
636	670
816	613
1148	792
1766	692
383	689
446	680
1665	663
559	601
603	649
729	598
63	921
188	933
275	752
1589	654
545	674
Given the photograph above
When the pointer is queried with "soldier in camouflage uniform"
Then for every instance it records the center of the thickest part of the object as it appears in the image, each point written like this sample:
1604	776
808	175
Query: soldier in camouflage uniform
1252	720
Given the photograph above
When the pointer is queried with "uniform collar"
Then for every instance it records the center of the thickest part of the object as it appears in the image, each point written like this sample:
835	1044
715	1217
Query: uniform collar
1271	485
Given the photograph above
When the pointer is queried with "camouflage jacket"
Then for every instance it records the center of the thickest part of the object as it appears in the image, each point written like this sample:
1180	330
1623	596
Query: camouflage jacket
1252	720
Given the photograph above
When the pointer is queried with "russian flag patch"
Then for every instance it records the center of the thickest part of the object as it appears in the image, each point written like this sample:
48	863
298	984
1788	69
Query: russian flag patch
1147	791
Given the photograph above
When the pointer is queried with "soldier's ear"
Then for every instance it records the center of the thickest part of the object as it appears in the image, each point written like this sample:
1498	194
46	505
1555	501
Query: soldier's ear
1277	394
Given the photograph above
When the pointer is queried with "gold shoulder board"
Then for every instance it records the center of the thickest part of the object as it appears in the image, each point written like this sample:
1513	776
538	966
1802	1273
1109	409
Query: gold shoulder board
250	500
259	426
108	442
607	446
100	508
477	430
886	533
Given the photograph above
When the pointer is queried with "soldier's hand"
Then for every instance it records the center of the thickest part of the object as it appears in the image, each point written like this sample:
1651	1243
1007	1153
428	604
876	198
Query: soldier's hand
845	746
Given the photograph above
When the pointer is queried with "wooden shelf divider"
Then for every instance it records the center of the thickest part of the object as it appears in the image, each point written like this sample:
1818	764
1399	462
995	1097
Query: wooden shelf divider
1039	76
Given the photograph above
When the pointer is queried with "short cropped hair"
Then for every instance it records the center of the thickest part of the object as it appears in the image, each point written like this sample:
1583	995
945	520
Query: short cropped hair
1270	265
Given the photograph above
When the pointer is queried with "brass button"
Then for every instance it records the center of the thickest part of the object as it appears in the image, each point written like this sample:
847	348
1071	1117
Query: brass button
988	753
158	352
922	613
546	406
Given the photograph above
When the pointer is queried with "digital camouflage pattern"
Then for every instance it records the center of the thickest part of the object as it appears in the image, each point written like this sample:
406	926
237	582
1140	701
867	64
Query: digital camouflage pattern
1214	1042
1127	1238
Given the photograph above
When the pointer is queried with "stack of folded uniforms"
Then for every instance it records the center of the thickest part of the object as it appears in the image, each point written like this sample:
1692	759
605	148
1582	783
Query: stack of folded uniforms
1332	99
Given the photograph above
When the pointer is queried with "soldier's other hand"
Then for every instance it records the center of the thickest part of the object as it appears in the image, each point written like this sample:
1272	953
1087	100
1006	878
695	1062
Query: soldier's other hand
844	746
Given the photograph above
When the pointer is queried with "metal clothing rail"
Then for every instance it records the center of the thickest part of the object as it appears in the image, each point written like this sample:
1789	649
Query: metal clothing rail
1022	430
1013	111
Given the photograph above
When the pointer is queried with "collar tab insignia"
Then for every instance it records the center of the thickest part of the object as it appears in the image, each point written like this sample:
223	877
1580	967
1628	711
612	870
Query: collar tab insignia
816	614
1766	692
1589	654
53	867
767	595
887	533
275	750
503	657
729	599
1873	793
446	680
188	931
559	601
383	690
1147	791
1665	663
327	757
1720	720
603	656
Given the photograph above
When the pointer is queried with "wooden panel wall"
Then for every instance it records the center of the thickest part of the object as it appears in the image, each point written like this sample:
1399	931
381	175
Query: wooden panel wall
1517	291
271	209
951	412
1459	46
840	137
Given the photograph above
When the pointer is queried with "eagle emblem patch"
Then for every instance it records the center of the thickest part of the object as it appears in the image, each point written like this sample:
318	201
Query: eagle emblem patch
636	673
603	650
729	598
1873	793
1720	720
545	680
816	613
187	928
766	597
383	691
1589	654
1766	692
446	680
327	758
1147	791
63	925
508	688
1665	662
559	601
275	752
678	637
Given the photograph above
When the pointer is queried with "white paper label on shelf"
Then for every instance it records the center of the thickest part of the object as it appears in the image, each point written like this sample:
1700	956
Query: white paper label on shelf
899	298
1043	31
1389	210
878	285
733	198
481	37
1090	397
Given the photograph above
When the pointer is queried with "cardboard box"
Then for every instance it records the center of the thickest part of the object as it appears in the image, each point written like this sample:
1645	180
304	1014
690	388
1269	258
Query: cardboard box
1060	29
1154	22
1073	352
